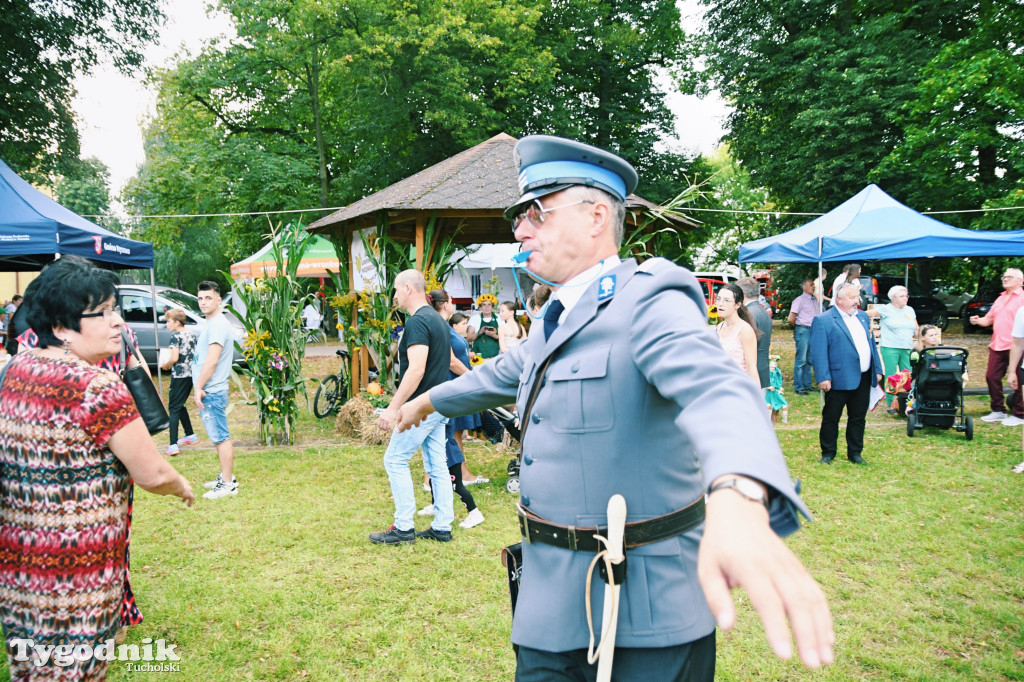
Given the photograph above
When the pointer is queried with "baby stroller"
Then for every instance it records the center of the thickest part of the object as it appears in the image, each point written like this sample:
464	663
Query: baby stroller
937	394
511	423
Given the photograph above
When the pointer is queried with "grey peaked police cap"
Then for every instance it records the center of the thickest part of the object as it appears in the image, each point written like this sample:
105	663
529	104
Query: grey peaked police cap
549	164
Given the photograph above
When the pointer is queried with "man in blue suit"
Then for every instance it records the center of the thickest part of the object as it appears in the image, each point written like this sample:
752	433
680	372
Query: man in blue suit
847	365
626	390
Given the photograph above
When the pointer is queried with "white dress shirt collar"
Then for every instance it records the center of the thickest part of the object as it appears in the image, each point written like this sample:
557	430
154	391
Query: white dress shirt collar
572	291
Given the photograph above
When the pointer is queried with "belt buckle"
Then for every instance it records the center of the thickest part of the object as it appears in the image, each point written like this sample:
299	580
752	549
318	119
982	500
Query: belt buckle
571	534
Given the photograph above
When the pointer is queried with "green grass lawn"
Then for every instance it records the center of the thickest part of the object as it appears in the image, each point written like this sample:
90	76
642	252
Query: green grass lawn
920	553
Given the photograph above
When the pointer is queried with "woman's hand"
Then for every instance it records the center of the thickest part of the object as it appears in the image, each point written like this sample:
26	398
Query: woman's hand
187	496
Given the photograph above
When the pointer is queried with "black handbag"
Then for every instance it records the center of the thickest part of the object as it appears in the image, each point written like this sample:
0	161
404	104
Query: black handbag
140	385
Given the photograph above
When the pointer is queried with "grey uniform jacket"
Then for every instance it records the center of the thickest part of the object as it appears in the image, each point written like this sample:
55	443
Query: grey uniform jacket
640	399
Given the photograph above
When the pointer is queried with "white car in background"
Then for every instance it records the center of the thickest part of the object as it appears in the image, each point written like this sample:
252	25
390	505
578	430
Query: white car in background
137	311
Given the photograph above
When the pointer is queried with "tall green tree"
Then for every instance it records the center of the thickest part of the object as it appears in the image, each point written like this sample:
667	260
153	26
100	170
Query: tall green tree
614	60
818	85
85	189
321	103
964	124
741	212
43	46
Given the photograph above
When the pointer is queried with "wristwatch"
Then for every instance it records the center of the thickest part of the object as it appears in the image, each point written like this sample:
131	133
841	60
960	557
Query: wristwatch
745	487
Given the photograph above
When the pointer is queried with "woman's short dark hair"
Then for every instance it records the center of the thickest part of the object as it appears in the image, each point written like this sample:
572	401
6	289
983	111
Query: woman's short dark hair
437	298
456	318
63	291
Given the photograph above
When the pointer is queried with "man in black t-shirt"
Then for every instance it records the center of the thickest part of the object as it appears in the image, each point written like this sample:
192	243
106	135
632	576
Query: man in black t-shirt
424	354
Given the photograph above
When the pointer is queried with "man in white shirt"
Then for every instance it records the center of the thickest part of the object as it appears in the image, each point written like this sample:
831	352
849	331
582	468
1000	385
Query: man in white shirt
847	365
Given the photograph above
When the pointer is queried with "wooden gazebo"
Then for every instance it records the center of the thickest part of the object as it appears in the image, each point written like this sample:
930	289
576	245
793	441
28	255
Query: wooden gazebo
470	190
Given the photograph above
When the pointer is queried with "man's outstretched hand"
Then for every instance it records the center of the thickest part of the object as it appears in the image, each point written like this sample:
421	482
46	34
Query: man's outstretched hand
739	549
414	411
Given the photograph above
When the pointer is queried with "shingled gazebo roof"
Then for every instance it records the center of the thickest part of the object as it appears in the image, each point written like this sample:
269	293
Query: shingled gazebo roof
471	189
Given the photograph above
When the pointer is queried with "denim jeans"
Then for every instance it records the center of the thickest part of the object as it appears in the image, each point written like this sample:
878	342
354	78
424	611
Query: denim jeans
429	435
802	361
215	416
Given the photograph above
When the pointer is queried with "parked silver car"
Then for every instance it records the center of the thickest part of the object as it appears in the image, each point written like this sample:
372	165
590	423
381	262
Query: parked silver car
137	310
954	299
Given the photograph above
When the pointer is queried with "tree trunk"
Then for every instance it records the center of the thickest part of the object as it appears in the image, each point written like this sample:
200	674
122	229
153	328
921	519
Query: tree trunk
313	86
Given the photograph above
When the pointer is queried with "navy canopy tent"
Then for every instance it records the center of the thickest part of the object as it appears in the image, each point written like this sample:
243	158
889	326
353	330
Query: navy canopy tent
34	228
874	226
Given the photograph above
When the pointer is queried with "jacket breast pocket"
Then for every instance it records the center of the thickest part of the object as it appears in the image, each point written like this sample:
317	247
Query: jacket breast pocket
581	396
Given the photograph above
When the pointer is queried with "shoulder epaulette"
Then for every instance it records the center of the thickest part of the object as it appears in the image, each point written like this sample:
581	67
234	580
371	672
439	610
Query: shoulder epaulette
653	266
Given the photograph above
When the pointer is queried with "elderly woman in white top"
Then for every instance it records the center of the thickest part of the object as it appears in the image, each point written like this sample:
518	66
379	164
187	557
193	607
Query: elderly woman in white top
898	323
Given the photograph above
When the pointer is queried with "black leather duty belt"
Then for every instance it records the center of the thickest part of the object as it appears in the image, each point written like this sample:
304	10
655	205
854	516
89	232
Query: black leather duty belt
581	538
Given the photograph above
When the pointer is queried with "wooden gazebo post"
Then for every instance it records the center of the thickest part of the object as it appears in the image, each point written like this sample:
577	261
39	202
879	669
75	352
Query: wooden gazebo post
420	240
468	192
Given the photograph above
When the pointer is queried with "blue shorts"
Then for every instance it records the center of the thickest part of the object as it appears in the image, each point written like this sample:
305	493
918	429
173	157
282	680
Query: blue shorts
214	416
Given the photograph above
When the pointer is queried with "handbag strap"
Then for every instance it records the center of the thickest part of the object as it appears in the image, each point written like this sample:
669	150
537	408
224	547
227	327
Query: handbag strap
126	343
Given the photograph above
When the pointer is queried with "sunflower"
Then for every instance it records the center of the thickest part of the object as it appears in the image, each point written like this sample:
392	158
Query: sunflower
476	360
487	298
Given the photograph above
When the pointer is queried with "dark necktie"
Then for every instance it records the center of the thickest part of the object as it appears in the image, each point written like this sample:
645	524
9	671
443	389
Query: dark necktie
551	316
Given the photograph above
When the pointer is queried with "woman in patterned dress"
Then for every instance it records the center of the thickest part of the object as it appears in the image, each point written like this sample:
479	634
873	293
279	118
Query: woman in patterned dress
71	440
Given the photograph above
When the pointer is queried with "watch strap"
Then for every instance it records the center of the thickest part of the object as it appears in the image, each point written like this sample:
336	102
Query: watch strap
734	484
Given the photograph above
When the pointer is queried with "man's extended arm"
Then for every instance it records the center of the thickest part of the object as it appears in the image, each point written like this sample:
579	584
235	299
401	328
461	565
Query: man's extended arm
410	382
739	547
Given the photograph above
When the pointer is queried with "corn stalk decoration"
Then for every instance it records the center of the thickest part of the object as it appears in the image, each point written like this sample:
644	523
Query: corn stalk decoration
276	343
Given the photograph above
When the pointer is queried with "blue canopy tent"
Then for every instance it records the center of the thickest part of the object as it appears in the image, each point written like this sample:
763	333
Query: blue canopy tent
874	226
34	229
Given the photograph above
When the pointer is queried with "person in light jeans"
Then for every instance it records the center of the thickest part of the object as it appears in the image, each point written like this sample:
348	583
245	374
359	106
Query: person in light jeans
424	355
430	436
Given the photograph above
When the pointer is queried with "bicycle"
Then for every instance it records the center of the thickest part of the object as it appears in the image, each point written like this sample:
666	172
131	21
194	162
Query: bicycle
332	392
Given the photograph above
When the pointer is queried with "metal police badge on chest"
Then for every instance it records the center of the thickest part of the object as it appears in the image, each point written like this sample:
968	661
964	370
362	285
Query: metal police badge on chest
606	288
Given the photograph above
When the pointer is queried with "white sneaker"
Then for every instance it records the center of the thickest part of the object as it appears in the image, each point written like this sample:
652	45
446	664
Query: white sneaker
217	481
1019	469
994	417
474	518
1013	421
222	490
427	511
426	487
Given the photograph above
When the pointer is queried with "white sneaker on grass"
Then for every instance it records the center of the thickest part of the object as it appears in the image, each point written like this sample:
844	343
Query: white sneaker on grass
222	489
427	511
1019	469
217	481
1013	420
994	417
473	518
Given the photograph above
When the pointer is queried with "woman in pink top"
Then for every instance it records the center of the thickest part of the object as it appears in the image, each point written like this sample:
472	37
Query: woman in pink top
737	332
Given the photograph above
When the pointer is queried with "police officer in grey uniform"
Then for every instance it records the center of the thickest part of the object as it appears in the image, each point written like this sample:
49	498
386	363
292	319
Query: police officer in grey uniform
628	392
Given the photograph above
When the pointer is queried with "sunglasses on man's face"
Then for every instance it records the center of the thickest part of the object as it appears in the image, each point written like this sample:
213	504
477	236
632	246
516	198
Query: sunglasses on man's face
534	212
